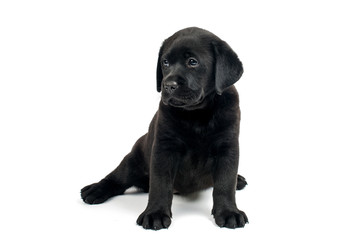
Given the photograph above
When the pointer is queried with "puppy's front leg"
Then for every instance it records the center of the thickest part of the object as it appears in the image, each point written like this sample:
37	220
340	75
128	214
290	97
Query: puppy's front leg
225	210
158	213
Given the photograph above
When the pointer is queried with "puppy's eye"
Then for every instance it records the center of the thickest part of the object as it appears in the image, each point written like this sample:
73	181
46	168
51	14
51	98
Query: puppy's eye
192	62
165	63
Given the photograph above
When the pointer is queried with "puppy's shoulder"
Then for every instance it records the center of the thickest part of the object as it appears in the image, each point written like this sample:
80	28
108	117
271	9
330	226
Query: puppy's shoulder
229	98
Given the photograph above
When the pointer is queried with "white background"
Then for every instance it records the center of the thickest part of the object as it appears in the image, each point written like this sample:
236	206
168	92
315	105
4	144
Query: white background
77	88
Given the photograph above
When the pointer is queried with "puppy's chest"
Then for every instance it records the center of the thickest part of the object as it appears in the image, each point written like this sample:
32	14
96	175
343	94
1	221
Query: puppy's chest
199	139
198	155
197	159
199	130
194	172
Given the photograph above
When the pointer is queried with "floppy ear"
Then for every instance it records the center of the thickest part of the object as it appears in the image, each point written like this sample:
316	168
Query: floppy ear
159	75
228	68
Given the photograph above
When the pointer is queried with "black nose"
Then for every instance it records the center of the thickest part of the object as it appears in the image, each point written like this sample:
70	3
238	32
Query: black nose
170	86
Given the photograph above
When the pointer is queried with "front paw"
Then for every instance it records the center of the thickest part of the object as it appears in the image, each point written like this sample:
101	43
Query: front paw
230	218
155	220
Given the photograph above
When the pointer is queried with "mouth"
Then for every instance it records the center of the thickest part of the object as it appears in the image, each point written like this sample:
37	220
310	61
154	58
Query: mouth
184	102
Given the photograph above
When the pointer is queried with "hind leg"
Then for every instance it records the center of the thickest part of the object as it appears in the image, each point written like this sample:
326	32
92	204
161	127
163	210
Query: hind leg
100	192
241	182
132	171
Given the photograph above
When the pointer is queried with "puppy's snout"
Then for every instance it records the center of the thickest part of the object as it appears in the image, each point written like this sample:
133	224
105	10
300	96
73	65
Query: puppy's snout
170	86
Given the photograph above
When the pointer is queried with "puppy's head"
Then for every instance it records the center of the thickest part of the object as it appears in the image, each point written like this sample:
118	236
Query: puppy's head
194	64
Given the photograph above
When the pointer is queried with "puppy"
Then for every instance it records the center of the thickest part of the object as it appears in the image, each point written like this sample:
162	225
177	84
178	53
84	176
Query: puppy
192	142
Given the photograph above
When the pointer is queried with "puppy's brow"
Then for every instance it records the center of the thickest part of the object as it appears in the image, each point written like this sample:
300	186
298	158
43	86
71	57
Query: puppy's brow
188	54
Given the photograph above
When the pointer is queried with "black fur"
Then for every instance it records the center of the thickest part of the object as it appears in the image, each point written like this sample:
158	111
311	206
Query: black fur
192	142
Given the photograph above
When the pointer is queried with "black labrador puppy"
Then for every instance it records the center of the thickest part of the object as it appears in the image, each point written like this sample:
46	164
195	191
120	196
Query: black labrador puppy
192	142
